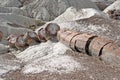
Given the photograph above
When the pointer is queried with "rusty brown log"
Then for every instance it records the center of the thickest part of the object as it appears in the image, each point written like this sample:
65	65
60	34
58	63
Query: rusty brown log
93	45
111	54
75	40
97	44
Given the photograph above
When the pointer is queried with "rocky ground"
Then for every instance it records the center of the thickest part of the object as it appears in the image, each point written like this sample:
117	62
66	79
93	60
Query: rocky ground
47	58
91	69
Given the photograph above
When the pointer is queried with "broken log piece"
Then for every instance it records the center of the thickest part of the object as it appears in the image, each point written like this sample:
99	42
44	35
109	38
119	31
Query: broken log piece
30	38
65	36
20	43
42	35
1	35
51	30
12	40
111	54
97	45
82	42
75	40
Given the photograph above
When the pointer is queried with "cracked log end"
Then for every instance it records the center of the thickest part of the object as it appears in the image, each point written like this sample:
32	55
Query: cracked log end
20	43
42	35
30	37
51	30
12	40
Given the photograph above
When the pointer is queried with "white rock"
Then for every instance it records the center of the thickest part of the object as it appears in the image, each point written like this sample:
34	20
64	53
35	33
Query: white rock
49	57
72	14
115	5
8	65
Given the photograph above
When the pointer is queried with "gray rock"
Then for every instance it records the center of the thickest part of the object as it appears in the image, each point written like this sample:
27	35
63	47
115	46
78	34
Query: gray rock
17	19
49	9
113	6
14	10
3	49
10	3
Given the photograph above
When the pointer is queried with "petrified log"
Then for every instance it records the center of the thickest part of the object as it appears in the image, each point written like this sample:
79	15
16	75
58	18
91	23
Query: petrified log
42	35
30	37
20	43
93	45
12	40
51	30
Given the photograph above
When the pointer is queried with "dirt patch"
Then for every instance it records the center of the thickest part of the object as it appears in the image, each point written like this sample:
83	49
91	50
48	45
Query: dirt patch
94	69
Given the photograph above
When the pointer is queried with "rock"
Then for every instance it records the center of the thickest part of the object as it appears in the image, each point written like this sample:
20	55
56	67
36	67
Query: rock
3	49
14	10
10	3
72	14
8	65
17	20
48	57
102	4
114	6
48	10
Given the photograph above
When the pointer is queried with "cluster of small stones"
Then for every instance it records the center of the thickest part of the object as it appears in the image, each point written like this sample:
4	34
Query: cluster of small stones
31	38
114	14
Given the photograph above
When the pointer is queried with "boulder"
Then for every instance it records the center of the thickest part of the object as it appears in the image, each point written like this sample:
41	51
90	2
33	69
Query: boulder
14	10
114	6
50	57
18	20
102	4
72	14
10	3
48	10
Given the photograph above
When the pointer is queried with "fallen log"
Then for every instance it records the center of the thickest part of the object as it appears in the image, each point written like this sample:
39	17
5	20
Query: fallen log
92	45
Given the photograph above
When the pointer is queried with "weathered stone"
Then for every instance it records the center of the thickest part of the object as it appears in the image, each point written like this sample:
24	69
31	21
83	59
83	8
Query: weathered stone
114	6
14	10
10	3
3	49
48	10
72	14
